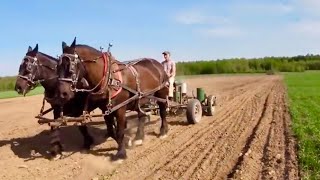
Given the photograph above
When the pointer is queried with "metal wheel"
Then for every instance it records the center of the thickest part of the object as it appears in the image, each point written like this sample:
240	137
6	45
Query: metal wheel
211	104
194	111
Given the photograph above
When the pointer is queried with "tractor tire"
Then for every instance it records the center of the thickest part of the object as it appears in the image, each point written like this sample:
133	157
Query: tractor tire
211	104
194	111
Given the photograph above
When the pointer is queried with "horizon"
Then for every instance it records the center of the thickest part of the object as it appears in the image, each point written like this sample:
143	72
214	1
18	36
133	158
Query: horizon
190	30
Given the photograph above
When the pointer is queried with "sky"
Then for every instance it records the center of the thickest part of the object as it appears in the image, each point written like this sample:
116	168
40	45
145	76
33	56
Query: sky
191	30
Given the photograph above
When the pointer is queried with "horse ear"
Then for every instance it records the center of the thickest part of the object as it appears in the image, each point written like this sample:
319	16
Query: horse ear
29	49
74	42
36	48
64	45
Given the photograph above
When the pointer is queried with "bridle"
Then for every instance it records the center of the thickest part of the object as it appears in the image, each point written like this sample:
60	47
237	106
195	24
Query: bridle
32	66
75	60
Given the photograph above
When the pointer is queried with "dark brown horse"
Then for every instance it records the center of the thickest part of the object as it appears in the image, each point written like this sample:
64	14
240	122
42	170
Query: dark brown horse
37	67
121	86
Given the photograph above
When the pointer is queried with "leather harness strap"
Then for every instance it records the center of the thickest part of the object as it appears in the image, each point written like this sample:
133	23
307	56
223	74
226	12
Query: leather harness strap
137	93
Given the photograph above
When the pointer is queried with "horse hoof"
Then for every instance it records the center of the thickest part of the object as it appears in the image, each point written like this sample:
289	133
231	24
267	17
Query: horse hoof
118	158
119	161
138	142
129	143
163	136
85	151
56	157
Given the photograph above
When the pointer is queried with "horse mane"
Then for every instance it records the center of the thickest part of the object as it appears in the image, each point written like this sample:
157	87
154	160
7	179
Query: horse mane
49	57
88	47
47	60
45	56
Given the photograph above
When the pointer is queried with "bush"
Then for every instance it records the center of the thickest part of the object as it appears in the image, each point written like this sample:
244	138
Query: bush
7	83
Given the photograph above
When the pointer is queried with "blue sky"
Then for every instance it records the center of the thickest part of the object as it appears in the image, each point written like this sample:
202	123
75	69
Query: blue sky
191	30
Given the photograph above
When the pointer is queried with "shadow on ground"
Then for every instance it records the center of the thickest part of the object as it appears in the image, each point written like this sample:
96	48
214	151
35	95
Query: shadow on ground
37	146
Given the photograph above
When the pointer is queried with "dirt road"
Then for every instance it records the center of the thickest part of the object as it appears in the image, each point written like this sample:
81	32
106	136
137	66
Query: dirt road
249	137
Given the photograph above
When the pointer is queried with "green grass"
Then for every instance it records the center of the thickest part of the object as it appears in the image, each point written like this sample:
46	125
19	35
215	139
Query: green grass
12	94
304	99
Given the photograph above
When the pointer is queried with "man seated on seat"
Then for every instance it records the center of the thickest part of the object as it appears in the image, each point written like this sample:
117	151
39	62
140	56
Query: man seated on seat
170	69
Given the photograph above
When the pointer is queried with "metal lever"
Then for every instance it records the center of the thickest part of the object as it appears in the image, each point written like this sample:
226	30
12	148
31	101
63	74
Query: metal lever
110	45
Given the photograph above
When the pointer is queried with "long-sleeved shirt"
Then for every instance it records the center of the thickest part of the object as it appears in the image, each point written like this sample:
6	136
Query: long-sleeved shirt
169	68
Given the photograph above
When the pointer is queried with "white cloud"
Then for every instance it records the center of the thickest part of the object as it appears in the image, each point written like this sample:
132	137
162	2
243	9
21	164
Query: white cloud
221	32
208	25
307	7
264	8
284	8
306	28
311	5
214	24
198	17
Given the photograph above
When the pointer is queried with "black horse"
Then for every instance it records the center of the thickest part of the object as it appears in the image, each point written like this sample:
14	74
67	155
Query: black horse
37	67
120	87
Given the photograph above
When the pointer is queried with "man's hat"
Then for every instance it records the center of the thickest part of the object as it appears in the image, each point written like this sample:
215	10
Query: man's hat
166	52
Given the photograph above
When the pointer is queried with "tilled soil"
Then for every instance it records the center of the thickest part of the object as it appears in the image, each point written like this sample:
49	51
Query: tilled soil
248	137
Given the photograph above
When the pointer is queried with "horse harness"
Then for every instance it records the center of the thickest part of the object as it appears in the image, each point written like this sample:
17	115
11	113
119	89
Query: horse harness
110	83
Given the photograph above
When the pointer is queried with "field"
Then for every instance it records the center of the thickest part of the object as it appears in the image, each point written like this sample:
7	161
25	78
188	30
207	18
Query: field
249	137
303	91
12	94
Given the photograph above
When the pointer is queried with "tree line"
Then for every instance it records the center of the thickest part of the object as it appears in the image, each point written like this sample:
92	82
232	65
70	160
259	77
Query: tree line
236	65
254	65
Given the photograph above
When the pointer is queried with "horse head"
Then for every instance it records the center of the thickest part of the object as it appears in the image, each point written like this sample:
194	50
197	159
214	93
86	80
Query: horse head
72	70
36	67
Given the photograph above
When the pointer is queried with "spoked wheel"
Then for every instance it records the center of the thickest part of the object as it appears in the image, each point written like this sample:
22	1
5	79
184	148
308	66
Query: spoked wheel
211	104
194	111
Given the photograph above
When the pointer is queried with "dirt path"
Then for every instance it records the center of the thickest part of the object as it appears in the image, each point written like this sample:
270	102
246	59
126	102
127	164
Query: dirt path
249	137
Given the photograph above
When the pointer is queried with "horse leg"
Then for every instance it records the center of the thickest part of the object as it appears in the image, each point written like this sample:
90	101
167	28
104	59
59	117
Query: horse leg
140	131
121	124
164	124
87	138
56	147
163	111
109	120
83	128
163	93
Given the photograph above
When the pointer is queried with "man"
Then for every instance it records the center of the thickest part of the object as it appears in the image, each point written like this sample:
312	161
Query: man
170	69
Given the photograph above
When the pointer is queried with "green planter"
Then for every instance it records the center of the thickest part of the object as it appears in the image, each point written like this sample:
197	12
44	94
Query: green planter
200	94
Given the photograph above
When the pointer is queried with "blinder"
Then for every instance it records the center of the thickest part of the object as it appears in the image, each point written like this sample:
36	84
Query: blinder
31	63
74	60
